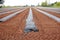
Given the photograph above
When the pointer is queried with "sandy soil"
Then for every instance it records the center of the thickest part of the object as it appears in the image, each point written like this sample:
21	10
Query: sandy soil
53	13
13	28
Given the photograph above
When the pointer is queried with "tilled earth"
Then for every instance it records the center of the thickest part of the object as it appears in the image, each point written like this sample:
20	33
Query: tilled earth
48	28
13	29
8	13
53	13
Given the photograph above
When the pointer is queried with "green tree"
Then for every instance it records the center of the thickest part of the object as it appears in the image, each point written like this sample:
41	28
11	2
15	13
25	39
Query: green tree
44	4
57	4
38	4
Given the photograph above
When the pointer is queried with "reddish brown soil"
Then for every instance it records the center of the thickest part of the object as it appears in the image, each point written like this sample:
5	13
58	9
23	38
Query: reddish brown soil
48	28
12	29
53	13
8	13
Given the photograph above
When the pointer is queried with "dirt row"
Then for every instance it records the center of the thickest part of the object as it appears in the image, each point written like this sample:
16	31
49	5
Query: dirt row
13	29
8	13
50	12
7	9
48	28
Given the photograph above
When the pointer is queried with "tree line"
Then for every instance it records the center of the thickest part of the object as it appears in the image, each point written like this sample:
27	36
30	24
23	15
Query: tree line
55	4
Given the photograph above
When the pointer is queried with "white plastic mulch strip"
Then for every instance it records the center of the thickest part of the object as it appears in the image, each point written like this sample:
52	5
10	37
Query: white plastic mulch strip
13	10
10	16
49	15
30	25
52	10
